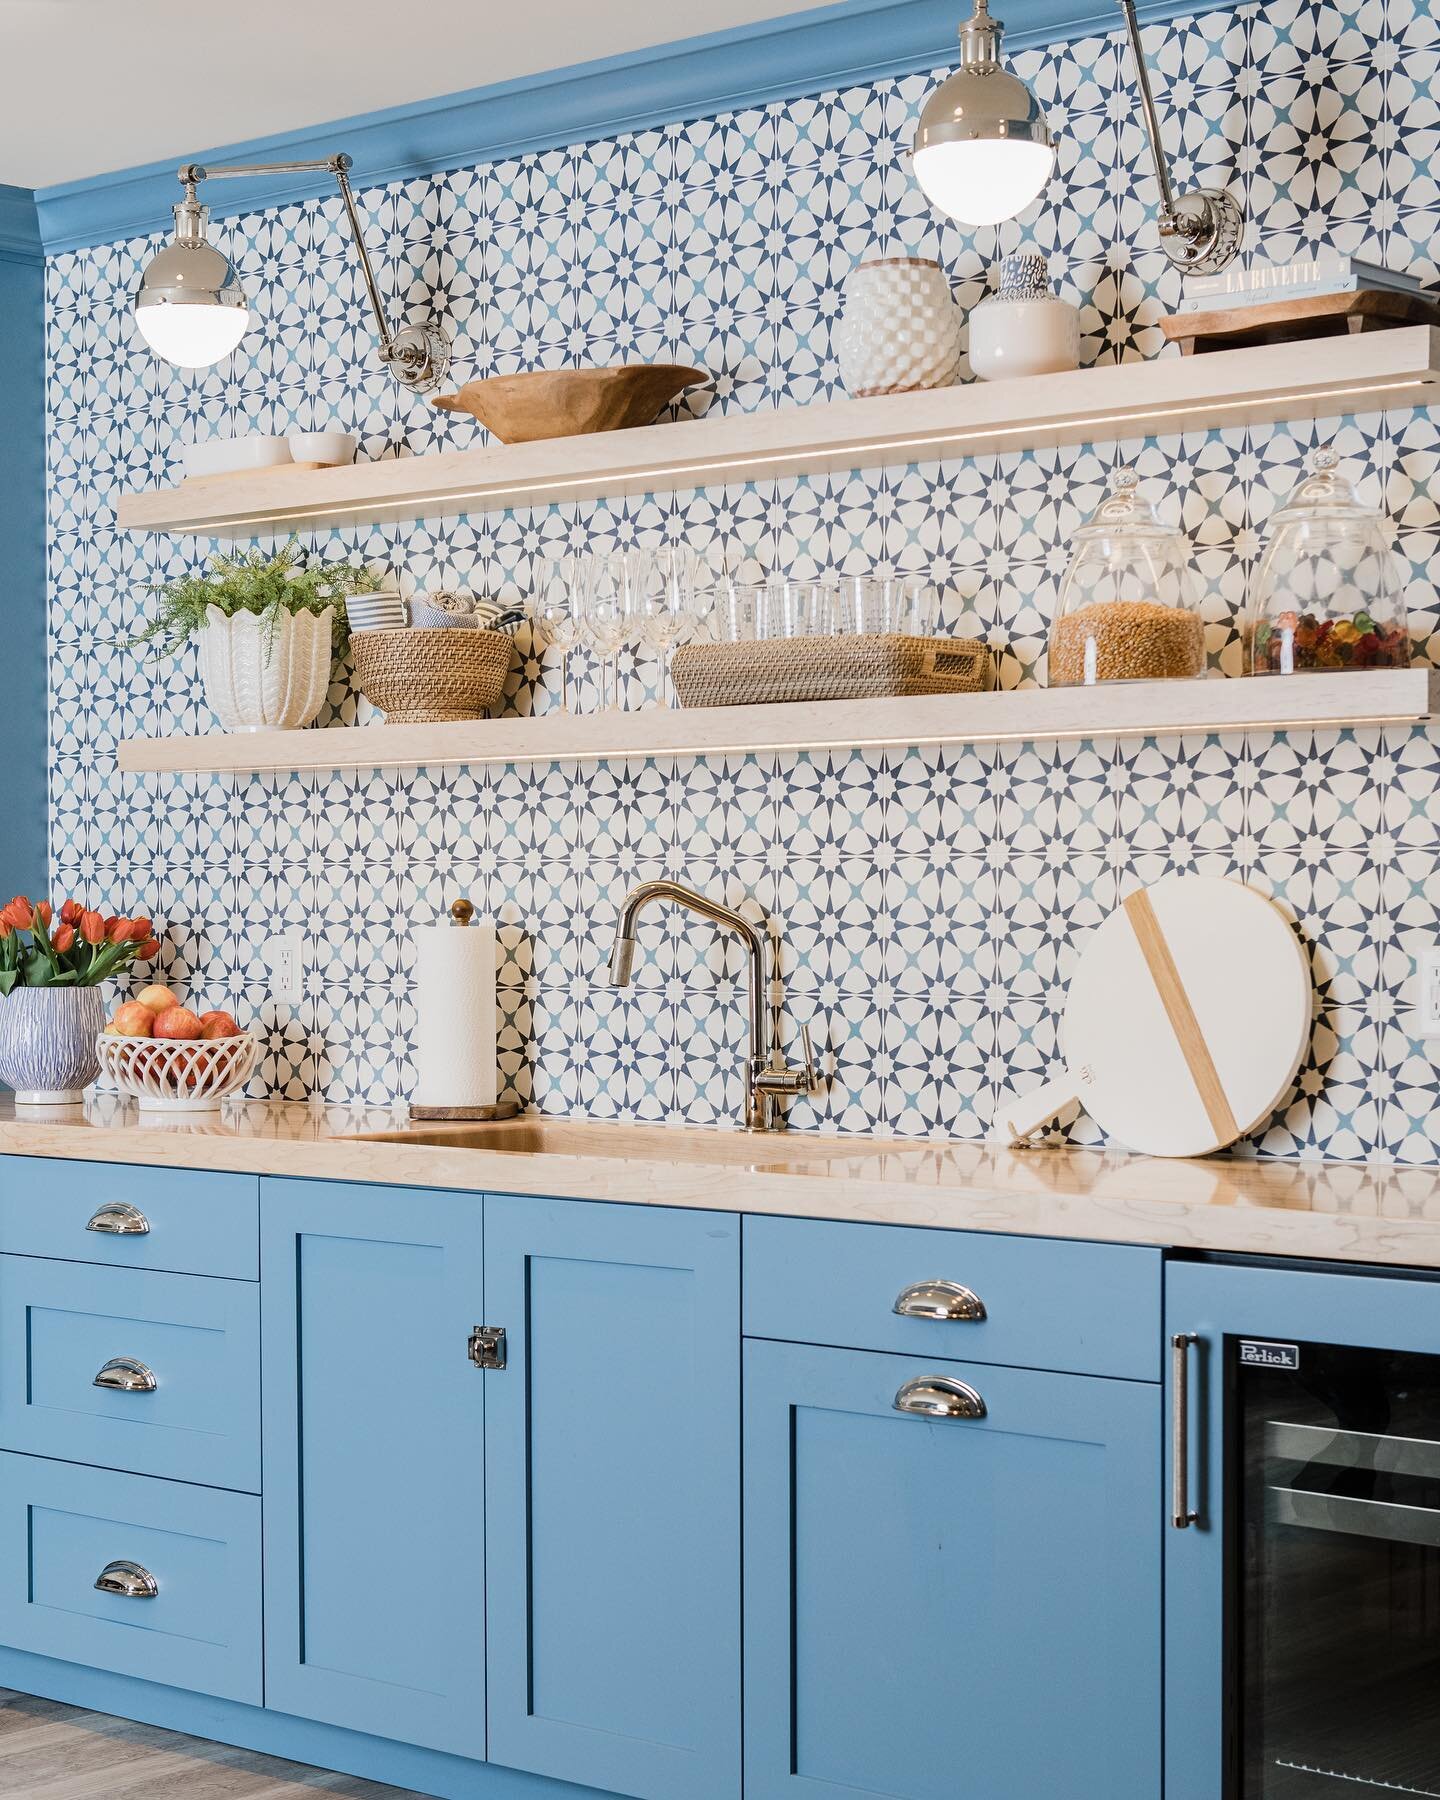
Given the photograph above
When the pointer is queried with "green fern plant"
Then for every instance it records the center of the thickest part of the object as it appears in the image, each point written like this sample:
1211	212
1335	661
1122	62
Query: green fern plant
255	583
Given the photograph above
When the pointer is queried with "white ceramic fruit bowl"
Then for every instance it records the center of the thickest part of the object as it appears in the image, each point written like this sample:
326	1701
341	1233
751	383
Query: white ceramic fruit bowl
168	1076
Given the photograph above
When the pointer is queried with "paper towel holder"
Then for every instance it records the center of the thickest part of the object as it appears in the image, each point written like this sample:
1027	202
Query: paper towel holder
461	915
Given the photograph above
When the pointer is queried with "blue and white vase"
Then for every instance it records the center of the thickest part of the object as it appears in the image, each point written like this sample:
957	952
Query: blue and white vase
1024	329
47	1043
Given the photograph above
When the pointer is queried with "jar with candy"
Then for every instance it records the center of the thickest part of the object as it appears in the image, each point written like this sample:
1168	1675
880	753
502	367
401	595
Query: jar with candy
1327	594
1129	607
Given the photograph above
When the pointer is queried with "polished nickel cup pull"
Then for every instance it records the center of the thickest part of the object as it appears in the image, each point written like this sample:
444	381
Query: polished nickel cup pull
939	1397
124	1375
118	1218
940	1300
130	1580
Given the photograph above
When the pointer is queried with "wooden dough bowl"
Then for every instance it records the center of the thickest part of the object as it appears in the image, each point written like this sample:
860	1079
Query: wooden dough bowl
552	403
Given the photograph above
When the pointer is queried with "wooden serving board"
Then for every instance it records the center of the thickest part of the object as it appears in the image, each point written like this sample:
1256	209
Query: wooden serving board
1284	321
1187	1016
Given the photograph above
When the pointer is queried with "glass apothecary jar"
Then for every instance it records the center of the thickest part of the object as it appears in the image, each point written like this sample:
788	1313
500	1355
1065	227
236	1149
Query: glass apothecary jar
1129	607
1327	594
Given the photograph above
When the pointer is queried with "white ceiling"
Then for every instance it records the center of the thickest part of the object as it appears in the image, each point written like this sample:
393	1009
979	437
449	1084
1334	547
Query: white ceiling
89	86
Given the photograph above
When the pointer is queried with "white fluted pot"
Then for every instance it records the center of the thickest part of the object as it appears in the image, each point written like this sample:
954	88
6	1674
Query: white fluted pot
47	1043
266	675
900	330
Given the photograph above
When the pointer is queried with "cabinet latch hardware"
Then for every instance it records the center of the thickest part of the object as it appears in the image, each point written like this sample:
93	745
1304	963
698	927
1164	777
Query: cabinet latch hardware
487	1346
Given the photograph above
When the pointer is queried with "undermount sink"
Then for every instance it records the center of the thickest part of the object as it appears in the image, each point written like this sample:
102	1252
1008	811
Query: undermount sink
536	1135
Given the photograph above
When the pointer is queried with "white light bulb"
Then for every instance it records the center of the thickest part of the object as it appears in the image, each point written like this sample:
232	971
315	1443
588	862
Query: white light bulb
192	336
983	181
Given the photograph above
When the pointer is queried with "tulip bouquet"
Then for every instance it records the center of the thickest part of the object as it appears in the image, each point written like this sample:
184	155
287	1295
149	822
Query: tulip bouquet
80	949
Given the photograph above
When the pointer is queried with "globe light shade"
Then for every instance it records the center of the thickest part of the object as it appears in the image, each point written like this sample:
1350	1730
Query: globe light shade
190	306
981	181
983	150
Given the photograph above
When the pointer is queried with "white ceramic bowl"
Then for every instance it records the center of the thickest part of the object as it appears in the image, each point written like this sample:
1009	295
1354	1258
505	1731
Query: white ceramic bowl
232	456
328	449
376	612
170	1076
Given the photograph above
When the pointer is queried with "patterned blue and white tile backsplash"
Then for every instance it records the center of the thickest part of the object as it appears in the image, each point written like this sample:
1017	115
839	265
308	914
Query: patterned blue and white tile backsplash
929	902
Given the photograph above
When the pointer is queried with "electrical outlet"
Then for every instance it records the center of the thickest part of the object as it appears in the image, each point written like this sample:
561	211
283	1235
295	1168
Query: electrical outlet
282	954
1429	1002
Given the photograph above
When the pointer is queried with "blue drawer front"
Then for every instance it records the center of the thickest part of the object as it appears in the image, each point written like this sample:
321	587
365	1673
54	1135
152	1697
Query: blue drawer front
1085	1309
61	1525
60	1323
197	1223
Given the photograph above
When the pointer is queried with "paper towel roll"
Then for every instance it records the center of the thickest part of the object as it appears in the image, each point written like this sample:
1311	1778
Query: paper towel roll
455	1062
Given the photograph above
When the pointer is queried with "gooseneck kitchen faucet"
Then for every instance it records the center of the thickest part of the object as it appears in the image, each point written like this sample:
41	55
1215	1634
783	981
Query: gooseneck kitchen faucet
768	1077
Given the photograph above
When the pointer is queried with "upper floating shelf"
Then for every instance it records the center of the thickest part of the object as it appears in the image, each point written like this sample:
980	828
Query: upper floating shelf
1399	367
1022	715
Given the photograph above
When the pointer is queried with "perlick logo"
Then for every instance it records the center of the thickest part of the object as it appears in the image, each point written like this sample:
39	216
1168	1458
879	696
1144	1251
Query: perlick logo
1269	1356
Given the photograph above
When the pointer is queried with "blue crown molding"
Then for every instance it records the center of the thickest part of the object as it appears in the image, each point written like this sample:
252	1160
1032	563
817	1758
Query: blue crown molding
850	42
19	226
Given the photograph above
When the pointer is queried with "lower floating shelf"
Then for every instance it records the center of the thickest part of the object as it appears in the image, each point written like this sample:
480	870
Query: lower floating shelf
1021	715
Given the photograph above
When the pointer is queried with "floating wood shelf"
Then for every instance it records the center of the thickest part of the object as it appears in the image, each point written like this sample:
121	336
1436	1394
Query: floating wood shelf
1400	367
1141	709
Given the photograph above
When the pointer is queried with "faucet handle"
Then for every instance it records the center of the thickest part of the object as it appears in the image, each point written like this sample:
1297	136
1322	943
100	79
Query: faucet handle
808	1072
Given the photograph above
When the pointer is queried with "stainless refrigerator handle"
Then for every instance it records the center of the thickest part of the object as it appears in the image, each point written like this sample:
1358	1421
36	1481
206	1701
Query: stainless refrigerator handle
1180	1516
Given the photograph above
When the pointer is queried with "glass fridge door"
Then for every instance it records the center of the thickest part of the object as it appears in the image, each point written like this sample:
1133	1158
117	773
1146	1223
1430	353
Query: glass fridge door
1336	1553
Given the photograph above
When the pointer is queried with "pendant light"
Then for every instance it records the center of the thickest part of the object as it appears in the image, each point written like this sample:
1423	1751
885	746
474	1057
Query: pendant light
191	309
983	151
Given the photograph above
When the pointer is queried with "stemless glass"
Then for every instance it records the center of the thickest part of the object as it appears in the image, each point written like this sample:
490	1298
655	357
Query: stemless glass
556	605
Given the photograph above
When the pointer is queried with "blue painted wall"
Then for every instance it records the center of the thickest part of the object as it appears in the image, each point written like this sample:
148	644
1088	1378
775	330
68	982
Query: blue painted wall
22	546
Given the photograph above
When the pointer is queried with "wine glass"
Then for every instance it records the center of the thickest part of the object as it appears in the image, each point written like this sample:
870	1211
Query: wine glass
604	616
559	588
662	600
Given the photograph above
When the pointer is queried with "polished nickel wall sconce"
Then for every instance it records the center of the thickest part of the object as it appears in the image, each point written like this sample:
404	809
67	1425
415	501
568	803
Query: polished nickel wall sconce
192	310
983	151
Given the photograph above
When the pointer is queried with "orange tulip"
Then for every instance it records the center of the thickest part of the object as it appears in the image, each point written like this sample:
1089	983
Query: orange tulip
71	912
63	938
92	927
150	948
44	913
19	913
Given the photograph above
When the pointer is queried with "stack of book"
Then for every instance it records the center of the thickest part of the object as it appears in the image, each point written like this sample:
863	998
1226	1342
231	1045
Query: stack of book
1326	272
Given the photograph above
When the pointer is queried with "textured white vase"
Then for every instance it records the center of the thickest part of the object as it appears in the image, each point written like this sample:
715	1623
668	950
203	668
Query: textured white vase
266	677
1024	329
900	330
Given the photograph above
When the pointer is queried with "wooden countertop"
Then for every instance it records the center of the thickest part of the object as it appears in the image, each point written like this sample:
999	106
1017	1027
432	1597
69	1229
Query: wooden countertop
1338	1211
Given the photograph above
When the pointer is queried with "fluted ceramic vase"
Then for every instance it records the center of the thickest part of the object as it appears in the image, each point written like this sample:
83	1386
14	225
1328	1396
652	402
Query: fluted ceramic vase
47	1043
266	675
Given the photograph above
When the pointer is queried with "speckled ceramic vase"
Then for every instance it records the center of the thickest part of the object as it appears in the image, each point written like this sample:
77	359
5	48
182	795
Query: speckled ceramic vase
900	330
1024	329
266	676
47	1043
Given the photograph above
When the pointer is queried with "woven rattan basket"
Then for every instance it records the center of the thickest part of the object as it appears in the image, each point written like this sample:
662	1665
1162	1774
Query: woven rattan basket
423	677
828	668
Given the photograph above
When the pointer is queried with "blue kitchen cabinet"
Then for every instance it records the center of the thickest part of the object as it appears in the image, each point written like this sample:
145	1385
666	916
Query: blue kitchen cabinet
1303	1535
374	1501
938	1606
613	1496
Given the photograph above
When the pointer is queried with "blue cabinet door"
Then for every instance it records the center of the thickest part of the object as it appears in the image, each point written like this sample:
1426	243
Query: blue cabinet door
1208	1303
938	1607
374	1499
613	1518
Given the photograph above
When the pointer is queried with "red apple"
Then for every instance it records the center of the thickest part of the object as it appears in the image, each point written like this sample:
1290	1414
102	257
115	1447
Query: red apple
218	1025
158	999
177	1022
134	1020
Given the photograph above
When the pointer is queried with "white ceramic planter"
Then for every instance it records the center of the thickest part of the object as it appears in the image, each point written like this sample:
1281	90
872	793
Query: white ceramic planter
259	681
47	1043
1024	329
900	330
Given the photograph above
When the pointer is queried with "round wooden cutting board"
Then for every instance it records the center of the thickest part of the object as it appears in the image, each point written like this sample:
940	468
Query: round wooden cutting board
1187	1017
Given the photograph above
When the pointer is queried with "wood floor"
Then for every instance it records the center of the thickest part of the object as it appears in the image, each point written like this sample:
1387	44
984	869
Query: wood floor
54	1752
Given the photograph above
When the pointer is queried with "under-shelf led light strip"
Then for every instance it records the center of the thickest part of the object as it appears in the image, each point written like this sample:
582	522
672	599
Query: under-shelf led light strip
1176	413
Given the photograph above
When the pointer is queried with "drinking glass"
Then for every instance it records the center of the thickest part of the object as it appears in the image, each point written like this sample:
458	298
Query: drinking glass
604	616
559	593
662	603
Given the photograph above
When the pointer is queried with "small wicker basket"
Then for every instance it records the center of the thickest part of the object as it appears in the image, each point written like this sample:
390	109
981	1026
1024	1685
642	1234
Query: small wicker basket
858	667
426	676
